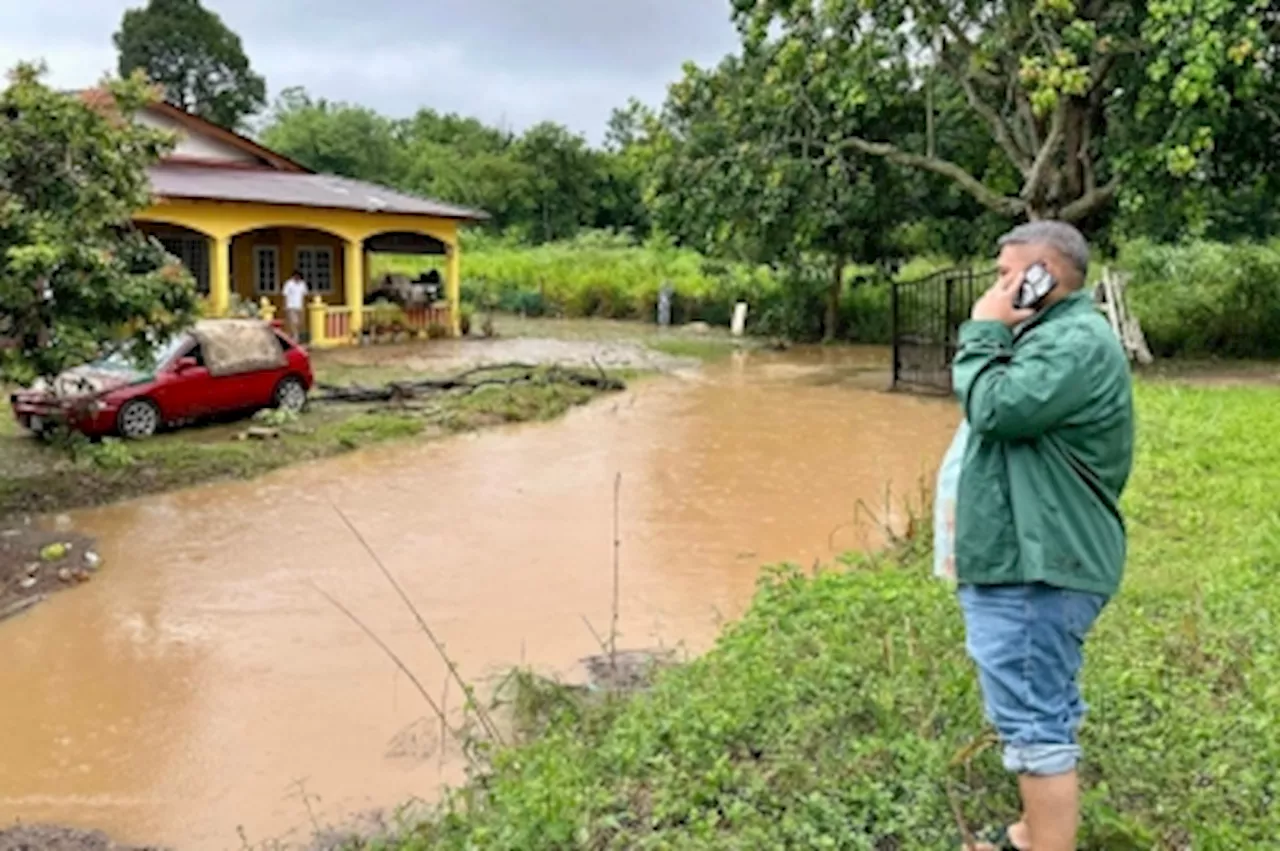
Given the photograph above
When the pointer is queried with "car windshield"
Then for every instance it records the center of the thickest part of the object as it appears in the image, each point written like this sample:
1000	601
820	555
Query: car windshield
122	360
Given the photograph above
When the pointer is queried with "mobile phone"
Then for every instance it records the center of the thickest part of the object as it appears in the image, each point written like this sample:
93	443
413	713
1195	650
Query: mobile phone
1036	285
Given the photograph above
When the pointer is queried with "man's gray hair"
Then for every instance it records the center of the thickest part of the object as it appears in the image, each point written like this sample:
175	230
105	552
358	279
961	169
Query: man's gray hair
1060	236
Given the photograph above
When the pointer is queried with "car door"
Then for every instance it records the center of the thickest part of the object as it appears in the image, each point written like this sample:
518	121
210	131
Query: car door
228	394
258	388
184	389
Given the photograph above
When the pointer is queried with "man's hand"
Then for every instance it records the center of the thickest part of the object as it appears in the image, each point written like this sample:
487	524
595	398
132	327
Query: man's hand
996	304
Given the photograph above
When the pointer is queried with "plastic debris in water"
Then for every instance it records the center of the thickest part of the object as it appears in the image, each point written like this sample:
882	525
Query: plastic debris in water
92	560
54	552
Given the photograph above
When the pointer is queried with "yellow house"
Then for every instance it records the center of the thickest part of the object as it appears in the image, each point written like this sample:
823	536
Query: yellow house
243	218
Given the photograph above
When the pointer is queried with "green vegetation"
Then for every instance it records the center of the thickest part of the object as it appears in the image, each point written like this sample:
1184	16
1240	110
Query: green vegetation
1197	300
599	275
606	276
1207	299
74	278
1065	103
841	710
36	477
543	185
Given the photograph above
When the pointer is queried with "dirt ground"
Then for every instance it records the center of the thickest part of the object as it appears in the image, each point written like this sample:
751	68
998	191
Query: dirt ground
445	356
26	579
48	838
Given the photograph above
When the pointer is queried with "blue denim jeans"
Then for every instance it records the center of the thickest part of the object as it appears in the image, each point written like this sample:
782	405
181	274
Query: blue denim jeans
1027	641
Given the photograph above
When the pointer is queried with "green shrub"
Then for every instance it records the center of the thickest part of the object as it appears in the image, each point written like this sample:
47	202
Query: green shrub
383	317
866	314
1206	298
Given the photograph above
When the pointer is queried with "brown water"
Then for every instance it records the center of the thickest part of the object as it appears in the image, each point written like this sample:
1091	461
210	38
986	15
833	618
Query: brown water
201	682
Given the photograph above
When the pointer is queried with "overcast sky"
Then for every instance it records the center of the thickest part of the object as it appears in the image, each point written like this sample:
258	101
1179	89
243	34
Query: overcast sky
510	62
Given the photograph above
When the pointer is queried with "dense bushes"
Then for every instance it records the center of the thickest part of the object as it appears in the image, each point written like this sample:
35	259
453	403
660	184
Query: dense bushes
830	716
1207	298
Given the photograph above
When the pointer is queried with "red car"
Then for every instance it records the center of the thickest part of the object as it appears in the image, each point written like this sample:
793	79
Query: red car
219	366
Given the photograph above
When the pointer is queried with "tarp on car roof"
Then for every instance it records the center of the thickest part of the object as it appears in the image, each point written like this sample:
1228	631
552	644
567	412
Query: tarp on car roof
233	346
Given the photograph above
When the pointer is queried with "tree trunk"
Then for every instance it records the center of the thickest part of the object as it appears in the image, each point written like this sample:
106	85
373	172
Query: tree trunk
831	324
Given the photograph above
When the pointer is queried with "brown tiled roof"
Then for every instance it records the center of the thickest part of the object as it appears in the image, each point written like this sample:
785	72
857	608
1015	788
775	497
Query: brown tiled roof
171	180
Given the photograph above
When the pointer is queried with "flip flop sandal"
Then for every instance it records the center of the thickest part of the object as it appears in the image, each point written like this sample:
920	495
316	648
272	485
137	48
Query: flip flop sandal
999	840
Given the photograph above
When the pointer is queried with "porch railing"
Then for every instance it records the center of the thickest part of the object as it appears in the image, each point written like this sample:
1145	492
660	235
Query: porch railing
334	325
328	325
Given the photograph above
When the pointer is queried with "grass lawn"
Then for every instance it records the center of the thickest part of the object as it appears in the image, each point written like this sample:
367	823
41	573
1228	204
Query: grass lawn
841	712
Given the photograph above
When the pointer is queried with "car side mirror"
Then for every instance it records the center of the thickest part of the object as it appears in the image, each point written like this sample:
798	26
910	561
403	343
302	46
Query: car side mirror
185	364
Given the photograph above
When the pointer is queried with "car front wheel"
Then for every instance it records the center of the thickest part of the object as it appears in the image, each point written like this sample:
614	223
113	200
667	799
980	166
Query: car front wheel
291	394
138	418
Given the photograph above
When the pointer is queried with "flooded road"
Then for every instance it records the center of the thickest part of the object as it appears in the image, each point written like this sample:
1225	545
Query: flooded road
202	683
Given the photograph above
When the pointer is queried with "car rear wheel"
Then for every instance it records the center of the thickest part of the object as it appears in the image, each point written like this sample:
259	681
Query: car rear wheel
138	418
291	394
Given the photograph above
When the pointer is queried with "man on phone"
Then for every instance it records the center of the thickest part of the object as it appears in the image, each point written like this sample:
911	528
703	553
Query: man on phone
1039	538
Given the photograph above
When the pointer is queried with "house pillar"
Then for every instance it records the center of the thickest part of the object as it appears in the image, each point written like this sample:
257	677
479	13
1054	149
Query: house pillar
353	254
219	275
453	289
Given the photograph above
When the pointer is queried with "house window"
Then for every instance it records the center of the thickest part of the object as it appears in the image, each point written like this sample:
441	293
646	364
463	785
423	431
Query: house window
315	264
193	253
266	269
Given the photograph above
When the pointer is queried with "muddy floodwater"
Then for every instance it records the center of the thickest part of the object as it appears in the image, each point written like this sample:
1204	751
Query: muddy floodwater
202	684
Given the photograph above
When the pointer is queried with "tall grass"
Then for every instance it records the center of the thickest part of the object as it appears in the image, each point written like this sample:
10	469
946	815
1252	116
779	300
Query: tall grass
610	276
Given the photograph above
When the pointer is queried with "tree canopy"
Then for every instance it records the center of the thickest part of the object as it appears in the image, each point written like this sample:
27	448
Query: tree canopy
75	278
188	50
1082	98
545	184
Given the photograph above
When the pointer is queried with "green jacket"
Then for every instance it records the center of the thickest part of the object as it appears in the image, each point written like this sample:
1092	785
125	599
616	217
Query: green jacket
1050	412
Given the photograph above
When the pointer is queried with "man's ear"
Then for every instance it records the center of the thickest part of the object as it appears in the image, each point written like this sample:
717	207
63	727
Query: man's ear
1063	271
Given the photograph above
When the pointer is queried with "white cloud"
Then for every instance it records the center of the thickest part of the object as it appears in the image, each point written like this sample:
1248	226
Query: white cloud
512	61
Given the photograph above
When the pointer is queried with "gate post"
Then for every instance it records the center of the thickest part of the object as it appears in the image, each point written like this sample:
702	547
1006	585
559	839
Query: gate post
894	330
948	313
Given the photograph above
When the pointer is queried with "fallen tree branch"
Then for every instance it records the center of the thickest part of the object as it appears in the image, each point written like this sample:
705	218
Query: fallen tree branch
469	381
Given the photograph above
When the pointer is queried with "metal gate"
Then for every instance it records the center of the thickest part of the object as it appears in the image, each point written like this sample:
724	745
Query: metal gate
926	323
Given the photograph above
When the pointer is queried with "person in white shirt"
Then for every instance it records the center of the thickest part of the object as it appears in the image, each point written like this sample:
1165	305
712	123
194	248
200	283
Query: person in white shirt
295	298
